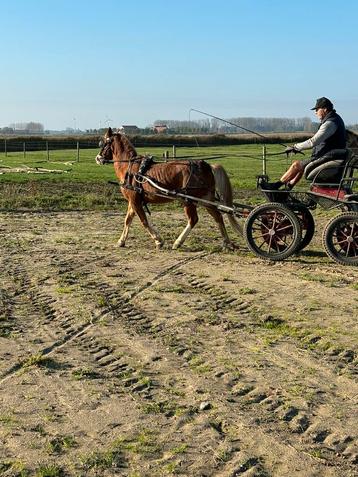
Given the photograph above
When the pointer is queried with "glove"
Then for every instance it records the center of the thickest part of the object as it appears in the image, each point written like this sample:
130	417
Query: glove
291	150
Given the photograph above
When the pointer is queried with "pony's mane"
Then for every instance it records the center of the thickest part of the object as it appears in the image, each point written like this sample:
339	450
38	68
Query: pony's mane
352	139
125	145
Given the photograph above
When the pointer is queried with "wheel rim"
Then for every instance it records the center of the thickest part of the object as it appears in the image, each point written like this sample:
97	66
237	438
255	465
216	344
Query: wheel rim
272	232
345	239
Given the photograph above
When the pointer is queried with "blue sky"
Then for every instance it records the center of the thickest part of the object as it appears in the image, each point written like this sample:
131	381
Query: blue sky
85	63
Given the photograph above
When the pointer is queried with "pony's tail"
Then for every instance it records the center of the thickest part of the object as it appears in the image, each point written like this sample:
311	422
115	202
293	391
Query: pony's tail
224	189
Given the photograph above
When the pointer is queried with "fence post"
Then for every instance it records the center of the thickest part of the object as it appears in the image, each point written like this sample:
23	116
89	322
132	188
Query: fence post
174	151
78	151
5	147
264	160
47	151
24	149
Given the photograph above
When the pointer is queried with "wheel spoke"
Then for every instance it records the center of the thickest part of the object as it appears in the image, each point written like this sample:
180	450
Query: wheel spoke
288	226
262	223
349	246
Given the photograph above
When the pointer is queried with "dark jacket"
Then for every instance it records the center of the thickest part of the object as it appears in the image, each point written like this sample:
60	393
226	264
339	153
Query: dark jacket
336	141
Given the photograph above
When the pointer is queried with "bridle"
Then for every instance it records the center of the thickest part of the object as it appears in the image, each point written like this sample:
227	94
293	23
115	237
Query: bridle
101	158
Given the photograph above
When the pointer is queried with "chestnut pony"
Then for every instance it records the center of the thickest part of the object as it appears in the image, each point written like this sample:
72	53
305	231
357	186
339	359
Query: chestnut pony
194	178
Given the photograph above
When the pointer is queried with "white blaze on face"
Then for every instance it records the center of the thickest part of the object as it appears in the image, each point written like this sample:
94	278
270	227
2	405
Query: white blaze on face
99	159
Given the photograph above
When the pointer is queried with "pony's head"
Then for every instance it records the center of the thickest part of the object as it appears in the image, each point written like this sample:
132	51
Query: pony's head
106	154
115	144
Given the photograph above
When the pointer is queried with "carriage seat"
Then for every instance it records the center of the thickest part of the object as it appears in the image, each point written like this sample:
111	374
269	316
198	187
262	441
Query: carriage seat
329	168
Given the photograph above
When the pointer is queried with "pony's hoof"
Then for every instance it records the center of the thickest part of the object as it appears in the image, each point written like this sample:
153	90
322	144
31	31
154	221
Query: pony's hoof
121	244
159	245
175	246
230	246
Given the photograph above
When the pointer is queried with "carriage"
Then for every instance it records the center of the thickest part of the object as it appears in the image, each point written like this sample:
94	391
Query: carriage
284	225
274	230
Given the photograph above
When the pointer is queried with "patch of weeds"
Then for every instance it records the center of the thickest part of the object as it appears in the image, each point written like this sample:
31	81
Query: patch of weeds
268	341
33	360
6	327
314	341
272	323
17	468
7	420
355	286
41	361
39	428
60	444
223	453
175	392
282	328
172	467
144	443
231	365
51	470
51	415
65	289
84	373
168	408
179	450
247	291
296	390
102	460
198	365
101	301
310	277
69	279
317	453
4	466
145	382
312	306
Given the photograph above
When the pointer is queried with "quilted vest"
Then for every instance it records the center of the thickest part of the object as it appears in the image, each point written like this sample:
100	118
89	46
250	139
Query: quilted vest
336	141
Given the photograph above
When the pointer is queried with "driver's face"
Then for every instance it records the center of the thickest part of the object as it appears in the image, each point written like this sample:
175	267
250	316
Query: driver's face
321	113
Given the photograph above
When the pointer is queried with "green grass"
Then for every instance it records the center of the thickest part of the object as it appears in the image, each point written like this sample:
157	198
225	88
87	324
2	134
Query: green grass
86	185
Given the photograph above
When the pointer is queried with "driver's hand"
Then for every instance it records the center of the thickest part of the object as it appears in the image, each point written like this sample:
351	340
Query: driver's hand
291	150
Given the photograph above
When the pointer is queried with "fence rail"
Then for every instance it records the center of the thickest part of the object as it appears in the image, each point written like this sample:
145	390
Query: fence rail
11	147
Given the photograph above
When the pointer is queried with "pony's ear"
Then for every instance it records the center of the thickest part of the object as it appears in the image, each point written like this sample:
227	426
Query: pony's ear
109	132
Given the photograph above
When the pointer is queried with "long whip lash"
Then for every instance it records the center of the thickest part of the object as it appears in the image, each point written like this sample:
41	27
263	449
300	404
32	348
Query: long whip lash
233	124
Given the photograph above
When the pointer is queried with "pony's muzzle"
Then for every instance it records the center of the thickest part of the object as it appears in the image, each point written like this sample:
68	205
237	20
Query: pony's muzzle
99	159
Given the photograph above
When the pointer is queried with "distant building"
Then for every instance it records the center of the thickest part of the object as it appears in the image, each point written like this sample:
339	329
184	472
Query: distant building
129	129
160	128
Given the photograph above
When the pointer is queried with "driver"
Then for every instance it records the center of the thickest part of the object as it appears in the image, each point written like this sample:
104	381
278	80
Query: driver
331	135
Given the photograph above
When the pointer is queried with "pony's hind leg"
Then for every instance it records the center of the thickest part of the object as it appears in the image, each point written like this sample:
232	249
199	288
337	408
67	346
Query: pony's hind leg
191	213
227	243
127	222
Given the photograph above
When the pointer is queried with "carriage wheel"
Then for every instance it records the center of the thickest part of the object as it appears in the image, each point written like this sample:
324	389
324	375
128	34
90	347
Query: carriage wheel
272	231
340	238
307	225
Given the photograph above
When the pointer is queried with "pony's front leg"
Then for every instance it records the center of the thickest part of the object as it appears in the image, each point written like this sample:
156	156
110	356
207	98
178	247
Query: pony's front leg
149	227
191	213
127	222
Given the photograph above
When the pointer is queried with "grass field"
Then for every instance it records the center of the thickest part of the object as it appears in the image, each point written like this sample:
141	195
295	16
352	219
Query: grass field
83	184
